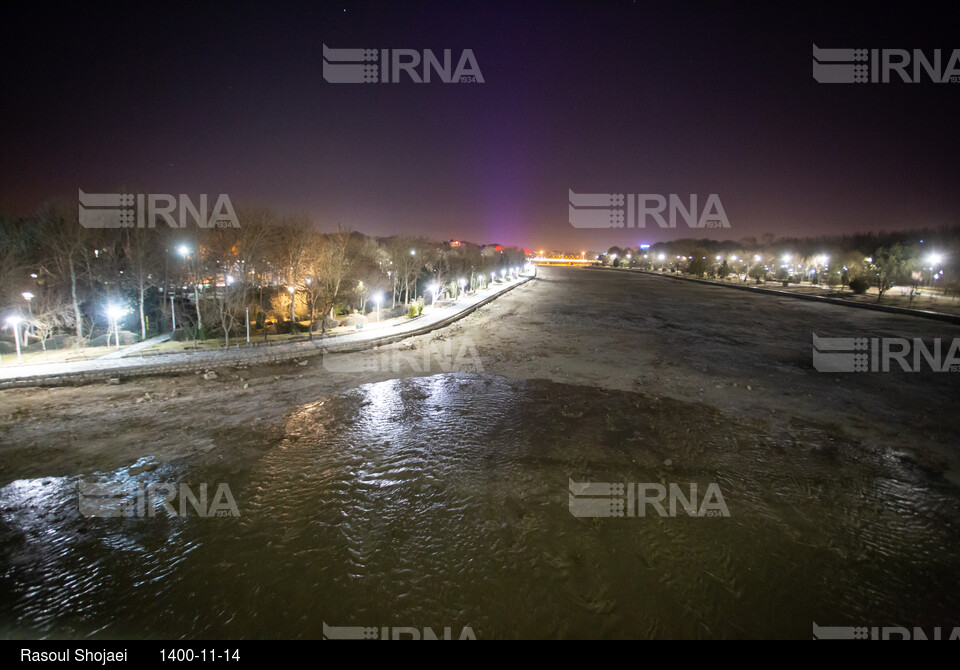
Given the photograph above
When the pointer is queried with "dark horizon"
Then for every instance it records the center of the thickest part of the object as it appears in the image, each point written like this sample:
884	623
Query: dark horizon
624	97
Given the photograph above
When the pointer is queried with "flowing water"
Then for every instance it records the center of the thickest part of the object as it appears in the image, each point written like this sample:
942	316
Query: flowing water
443	501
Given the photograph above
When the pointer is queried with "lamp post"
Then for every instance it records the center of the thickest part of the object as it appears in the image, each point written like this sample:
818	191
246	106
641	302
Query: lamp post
14	322
173	314
114	313
248	325
184	251
28	296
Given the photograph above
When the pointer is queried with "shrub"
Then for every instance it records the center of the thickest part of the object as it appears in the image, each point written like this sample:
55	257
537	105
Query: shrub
859	285
412	311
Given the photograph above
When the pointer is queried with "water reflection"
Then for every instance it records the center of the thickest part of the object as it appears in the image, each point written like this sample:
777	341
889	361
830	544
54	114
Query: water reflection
442	501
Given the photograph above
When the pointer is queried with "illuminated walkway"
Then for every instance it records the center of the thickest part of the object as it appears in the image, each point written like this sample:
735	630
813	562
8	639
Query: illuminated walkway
371	335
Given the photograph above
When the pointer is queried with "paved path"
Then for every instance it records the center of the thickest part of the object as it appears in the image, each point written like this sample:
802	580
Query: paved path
134	348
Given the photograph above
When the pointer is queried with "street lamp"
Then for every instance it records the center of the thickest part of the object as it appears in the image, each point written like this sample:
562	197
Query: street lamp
114	313
28	296
14	321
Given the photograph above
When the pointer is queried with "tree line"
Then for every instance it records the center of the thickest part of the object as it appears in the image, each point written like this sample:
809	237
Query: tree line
62	278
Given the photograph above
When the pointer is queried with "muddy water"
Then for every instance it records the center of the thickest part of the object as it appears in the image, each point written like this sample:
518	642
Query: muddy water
443	502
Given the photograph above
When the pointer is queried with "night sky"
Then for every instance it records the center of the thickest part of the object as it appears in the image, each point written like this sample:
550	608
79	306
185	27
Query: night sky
635	97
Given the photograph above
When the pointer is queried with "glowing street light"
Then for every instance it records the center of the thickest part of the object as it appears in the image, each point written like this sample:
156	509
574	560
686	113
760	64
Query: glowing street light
183	250
14	322
114	312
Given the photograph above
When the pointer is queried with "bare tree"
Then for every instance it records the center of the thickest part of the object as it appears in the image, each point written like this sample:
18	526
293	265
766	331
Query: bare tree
140	251
67	245
326	265
51	312
288	249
